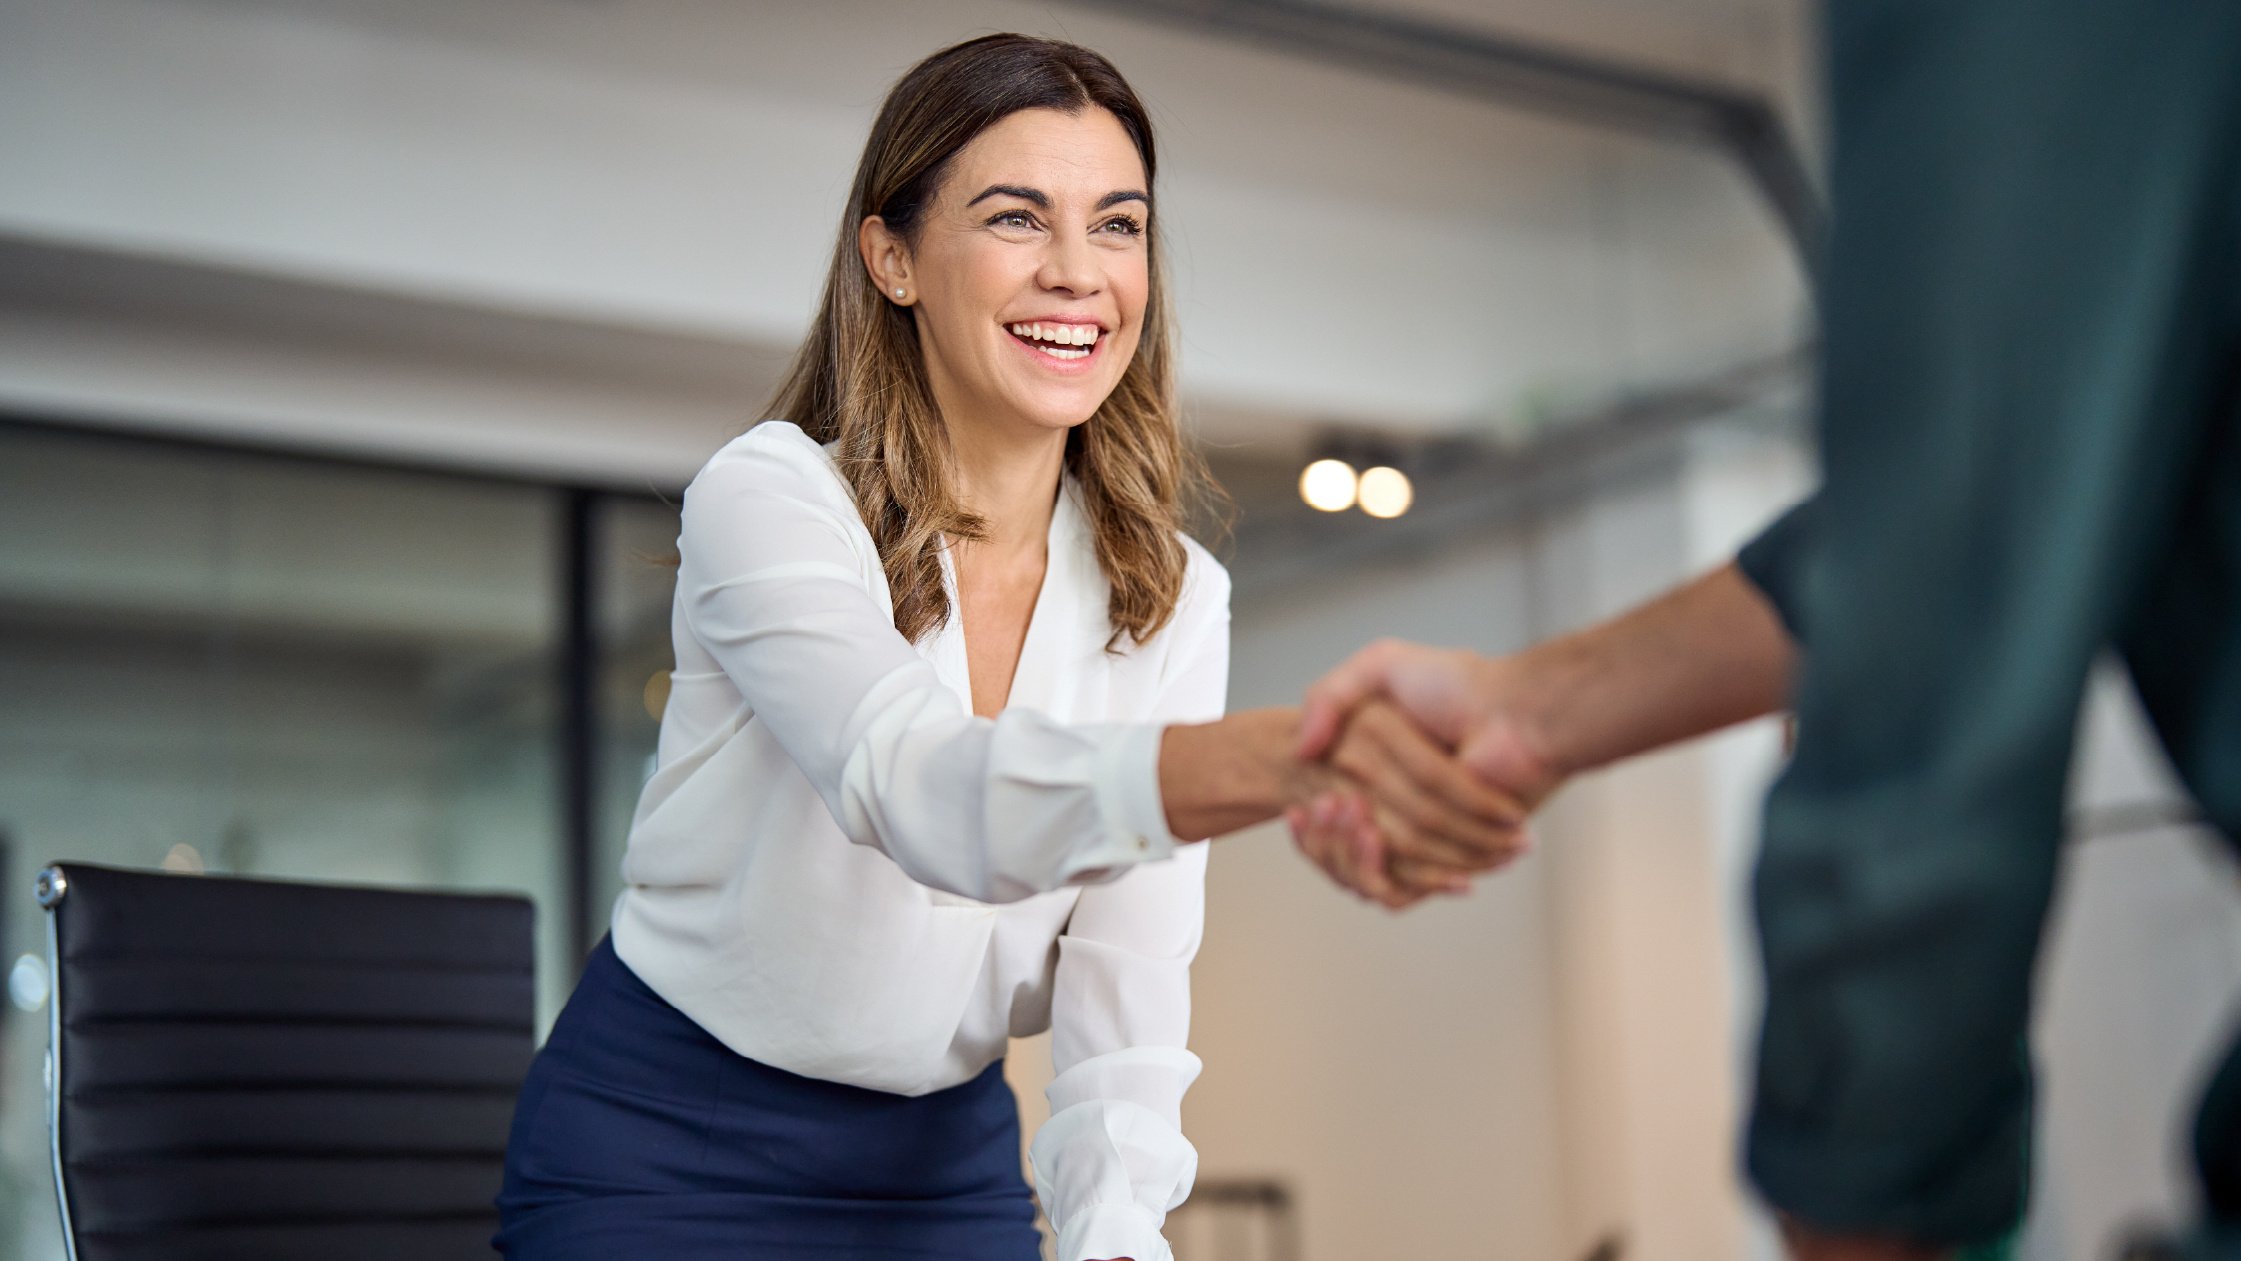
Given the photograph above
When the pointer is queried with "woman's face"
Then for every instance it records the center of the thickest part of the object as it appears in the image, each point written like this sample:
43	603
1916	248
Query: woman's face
1031	269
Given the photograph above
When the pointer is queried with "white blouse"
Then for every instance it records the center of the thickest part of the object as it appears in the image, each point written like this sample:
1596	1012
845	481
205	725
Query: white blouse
813	864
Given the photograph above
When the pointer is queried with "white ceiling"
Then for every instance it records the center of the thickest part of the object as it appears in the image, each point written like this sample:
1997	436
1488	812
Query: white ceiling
1750	43
1349	249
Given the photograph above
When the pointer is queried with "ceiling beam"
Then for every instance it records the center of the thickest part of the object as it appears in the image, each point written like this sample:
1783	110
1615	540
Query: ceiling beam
1524	75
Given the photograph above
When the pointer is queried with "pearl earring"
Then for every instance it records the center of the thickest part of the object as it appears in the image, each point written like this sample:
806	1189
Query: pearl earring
898	291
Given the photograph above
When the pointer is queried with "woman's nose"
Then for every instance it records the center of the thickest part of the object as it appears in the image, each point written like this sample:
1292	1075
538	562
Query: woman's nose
1071	267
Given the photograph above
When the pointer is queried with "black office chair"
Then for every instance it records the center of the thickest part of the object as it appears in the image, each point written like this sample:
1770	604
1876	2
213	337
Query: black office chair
246	1070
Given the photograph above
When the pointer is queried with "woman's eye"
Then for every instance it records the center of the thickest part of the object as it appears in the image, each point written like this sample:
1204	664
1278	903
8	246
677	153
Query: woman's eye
1013	219
1122	225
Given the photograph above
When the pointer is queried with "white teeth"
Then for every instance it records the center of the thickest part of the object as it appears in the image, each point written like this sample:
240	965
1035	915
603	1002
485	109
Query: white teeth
1052	335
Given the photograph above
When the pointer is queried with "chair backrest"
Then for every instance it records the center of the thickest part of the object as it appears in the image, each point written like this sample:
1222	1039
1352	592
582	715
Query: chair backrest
253	1070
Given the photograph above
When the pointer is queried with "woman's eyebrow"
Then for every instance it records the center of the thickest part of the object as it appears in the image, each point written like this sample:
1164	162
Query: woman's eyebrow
1041	200
1032	195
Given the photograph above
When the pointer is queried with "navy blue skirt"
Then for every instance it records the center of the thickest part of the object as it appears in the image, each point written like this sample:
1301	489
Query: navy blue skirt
639	1135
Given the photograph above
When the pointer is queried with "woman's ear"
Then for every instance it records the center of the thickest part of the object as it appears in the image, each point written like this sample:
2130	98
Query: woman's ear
886	259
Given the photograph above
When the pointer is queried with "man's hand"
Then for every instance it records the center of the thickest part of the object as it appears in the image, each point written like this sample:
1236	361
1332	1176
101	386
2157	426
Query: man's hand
1709	653
1477	706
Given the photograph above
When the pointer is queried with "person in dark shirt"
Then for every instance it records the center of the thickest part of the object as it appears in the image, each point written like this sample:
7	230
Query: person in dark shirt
2031	438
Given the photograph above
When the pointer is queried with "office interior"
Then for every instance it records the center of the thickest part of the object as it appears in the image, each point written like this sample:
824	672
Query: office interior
353	356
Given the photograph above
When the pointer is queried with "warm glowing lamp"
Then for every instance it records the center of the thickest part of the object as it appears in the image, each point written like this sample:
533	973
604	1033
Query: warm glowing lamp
1328	485
1386	492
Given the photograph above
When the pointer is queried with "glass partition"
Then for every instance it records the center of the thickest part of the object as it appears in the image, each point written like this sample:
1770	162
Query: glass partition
213	661
634	574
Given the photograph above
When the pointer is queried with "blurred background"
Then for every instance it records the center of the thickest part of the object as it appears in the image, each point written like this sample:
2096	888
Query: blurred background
353	352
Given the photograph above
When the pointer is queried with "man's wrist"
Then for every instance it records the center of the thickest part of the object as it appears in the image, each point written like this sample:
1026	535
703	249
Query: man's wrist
1542	692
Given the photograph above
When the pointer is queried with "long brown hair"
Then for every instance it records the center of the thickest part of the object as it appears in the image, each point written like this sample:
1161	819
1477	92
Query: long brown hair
860	379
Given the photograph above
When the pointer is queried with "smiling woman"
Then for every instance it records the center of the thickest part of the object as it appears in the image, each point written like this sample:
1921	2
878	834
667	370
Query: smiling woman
1006	186
946	712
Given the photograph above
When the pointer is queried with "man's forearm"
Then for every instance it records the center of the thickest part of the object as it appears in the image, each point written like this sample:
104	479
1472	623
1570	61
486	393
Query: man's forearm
1699	658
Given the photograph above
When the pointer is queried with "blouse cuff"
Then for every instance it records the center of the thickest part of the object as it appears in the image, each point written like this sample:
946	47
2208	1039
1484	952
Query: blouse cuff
1099	1155
1128	794
1105	1231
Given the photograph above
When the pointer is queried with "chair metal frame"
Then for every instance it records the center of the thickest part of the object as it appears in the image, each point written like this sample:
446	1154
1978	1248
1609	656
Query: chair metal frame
53	885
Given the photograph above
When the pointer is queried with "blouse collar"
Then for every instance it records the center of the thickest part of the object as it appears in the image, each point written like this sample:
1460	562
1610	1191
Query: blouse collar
1043	680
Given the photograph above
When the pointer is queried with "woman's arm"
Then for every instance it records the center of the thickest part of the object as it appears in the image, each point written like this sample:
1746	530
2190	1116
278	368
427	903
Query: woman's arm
994	809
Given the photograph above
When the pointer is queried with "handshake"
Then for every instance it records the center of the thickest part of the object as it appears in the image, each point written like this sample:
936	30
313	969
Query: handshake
1410	771
1418	769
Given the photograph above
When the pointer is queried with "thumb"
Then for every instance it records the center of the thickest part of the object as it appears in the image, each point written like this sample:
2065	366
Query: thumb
1500	757
1335	695
1319	721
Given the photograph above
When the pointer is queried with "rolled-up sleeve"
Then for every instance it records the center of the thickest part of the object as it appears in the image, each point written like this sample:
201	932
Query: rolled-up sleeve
1778	562
1112	1160
775	588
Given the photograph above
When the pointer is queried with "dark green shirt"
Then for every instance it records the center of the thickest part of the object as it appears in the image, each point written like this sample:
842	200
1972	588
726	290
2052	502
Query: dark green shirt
2031	438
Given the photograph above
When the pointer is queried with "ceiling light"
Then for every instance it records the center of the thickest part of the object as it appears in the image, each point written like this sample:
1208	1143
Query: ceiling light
1328	485
1386	492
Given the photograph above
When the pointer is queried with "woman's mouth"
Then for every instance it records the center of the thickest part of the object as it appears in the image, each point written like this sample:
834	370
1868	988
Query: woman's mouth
1058	341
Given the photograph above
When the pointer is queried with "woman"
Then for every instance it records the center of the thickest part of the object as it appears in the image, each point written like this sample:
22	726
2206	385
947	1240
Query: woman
939	646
